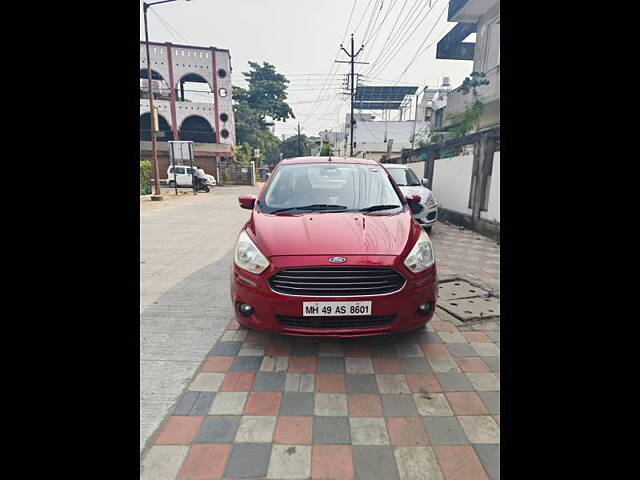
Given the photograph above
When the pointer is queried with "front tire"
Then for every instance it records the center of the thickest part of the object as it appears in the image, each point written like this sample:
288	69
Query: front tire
428	229
172	184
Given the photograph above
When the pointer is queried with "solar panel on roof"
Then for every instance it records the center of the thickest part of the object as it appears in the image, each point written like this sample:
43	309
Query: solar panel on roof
377	105
385	93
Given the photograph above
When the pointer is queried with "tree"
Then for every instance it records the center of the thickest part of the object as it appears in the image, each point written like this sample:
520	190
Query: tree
326	150
289	147
267	92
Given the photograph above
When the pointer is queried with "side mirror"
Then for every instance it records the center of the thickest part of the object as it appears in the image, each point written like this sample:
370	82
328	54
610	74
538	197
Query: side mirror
414	203
247	201
425	182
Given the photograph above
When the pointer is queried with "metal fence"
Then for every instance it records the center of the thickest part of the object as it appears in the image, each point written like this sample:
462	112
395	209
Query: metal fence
233	173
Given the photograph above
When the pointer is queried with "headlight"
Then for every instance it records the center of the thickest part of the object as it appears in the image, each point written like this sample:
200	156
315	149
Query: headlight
421	256
430	200
248	257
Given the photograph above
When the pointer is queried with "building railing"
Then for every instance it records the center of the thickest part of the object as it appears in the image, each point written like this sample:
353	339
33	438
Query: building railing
167	135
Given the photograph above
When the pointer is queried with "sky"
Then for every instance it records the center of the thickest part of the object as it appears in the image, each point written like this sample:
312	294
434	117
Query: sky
301	38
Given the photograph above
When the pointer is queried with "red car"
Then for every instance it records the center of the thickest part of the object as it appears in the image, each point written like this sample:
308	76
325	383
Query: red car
331	249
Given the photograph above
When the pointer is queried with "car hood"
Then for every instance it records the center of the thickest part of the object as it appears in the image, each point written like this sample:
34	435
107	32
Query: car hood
423	192
349	233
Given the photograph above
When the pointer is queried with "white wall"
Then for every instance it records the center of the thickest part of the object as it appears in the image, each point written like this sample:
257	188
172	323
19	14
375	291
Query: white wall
452	181
493	211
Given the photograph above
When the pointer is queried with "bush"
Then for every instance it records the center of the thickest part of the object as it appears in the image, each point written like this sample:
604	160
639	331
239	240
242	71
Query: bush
145	174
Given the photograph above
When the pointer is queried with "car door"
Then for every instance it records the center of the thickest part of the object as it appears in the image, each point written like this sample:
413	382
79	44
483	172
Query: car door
190	172
181	176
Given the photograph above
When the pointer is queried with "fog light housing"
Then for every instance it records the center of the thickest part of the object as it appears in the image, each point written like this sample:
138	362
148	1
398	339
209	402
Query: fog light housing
245	309
425	308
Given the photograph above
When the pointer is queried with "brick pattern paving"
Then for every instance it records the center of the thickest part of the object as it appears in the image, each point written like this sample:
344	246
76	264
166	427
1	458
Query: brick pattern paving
419	405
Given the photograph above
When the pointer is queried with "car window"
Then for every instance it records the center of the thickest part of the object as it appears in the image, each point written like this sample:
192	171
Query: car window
171	170
354	186
189	171
179	169
404	177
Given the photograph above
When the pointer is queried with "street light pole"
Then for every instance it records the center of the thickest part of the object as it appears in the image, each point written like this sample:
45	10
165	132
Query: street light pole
154	141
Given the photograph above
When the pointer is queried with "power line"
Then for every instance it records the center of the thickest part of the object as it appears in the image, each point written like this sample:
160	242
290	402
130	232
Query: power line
172	31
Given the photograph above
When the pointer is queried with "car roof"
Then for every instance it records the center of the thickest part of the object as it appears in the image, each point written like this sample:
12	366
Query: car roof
396	165
298	160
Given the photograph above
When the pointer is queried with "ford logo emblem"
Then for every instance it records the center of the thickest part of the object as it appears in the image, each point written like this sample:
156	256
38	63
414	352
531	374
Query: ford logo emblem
337	260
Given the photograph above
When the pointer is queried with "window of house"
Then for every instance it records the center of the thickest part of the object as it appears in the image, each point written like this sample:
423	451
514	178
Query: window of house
492	55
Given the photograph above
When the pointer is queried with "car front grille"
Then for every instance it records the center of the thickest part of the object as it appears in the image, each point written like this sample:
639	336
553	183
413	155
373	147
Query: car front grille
335	323
336	281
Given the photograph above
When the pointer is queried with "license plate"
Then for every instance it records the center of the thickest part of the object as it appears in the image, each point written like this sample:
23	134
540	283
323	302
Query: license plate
336	309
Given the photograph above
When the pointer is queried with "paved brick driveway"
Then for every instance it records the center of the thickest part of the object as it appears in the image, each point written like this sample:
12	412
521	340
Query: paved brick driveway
420	405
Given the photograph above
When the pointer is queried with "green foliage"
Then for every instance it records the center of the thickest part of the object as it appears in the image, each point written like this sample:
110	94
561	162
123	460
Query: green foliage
267	92
326	150
466	120
145	177
243	153
289	147
472	82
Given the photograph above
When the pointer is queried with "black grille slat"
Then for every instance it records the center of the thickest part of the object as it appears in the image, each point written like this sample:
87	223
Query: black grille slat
337	323
344	281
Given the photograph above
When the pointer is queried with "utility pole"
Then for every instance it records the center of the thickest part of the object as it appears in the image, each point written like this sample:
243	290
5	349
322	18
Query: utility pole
352	56
299	151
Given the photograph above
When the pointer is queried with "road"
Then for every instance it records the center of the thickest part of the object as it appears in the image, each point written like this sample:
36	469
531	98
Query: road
185	257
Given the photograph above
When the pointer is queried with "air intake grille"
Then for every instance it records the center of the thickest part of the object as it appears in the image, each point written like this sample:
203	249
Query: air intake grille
336	281
337	323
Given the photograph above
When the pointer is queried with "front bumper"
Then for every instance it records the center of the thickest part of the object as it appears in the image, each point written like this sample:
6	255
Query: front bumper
255	290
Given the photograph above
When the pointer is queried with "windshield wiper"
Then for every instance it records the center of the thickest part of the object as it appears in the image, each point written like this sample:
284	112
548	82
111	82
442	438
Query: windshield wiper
314	207
375	208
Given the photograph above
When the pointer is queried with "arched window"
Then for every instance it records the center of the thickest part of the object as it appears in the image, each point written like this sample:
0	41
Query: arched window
197	129
164	129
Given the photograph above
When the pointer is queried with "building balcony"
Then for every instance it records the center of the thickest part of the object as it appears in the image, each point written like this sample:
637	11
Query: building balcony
489	95
469	11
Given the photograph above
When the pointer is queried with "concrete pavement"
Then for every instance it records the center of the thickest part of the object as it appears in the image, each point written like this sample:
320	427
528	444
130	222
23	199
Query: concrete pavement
185	259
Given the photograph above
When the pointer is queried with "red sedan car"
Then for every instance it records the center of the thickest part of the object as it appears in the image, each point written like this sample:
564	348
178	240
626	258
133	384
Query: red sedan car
331	249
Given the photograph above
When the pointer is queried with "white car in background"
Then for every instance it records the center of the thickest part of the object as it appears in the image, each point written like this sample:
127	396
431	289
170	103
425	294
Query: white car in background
410	185
184	176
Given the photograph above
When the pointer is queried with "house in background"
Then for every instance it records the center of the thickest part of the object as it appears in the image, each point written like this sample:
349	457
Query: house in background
192	92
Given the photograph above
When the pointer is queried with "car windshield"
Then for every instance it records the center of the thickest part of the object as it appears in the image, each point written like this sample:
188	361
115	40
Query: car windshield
326	187
404	177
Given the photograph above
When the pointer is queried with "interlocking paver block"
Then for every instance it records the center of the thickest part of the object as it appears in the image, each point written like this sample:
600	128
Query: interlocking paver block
480	428
356	350
331	365
263	403
414	365
290	462
392	384
406	431
493	363
331	404
299	382
432	350
408	350
302	364
255	429
331	430
358	365
473	364
443	364
269	382
386	365
461	350
305	350
225	348
444	431
237	382
162	462
364	405
423	383
251	350
217	364
486	382
368	431
365	383
248	460
459	462
179	431
381	350
246	364
417	463
432	404
399	406
477	337
375	462
454	382
489	456
428	337
331	383
452	337
205	462
332	462
185	404
218	430
228	403
293	430
466	403
206	382
491	401
203	403
295	403
331	350
486	349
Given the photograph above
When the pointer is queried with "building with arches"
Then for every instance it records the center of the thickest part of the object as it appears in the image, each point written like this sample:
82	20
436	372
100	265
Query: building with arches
192	92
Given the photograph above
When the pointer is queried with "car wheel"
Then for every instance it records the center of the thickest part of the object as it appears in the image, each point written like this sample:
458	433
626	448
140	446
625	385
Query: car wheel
172	184
428	229
207	189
